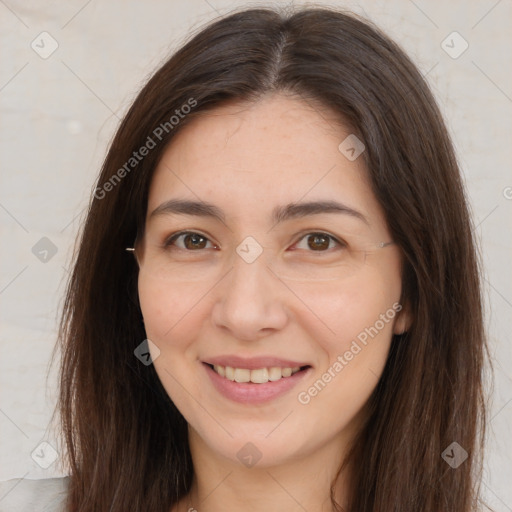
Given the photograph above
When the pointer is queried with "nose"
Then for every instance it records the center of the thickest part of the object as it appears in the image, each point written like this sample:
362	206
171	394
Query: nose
250	301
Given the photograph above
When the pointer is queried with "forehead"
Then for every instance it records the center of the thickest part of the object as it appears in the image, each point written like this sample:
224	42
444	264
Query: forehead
252	157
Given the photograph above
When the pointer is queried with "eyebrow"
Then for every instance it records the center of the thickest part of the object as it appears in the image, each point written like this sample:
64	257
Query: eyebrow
279	213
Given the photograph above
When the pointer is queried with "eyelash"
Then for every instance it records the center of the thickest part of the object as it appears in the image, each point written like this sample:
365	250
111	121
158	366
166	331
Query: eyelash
171	239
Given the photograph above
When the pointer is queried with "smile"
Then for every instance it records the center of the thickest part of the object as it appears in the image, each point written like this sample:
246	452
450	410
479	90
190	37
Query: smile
256	385
256	376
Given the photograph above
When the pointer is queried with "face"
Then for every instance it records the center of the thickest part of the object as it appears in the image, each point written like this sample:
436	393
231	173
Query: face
256	282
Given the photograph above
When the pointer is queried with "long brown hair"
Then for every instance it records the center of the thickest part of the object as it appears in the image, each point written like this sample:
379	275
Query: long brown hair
127	444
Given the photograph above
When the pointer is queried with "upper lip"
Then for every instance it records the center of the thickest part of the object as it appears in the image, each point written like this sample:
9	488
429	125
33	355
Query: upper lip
254	363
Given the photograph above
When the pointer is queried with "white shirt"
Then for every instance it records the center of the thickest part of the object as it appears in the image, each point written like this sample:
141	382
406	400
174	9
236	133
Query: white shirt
22	495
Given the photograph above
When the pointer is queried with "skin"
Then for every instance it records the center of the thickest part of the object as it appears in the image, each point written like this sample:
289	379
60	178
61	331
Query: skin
246	159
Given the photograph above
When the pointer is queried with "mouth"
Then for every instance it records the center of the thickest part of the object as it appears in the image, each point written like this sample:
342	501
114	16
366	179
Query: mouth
256	375
255	385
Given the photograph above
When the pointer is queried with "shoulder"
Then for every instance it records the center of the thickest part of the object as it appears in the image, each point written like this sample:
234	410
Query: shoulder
22	495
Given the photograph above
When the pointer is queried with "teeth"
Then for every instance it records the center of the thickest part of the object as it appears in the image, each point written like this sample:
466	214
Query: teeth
220	370
274	373
259	376
230	373
242	375
286	372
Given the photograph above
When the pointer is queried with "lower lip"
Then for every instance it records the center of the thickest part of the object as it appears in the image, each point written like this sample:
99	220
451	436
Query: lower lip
251	393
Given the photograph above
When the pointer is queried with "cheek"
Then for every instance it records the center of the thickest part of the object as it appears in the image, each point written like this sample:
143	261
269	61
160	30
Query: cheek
348	307
356	316
354	355
171	312
173	316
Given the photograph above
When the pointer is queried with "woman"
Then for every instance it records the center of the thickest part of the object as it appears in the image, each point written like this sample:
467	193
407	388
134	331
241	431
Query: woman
276	285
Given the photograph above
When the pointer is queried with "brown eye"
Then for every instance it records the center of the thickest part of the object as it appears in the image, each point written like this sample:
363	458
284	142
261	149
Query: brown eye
317	242
195	241
188	240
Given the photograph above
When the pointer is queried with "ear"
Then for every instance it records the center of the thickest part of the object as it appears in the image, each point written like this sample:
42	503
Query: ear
403	320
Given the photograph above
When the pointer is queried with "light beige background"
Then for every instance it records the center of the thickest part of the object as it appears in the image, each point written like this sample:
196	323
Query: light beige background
58	114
